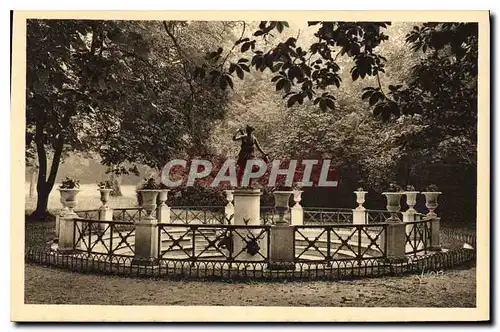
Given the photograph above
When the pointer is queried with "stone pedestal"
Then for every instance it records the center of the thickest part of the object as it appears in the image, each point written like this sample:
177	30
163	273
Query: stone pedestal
146	242
359	216
395	240
297	215
297	212
247	212
106	214
409	216
281	251
66	232
163	213
435	244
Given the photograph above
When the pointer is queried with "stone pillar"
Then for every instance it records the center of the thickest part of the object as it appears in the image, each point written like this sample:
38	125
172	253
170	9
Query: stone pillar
359	216
163	210
395	241
409	216
105	214
297	212
146	231
66	232
146	242
247	212
281	252
229	209
435	244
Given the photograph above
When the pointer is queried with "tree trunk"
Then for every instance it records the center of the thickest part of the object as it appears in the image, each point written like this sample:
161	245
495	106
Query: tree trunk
41	203
33	172
115	180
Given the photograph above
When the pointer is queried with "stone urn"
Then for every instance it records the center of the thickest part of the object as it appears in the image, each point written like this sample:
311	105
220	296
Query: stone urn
431	198
149	197
163	196
393	204
229	196
411	200
297	197
281	199
105	196
68	199
360	199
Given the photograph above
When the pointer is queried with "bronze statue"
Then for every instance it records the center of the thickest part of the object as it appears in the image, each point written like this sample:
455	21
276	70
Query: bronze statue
248	142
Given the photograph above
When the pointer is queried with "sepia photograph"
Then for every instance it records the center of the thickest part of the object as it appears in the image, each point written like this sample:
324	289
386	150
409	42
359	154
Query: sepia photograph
204	161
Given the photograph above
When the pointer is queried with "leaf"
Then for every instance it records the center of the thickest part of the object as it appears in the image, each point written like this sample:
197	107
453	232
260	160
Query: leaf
373	99
245	67
366	94
232	68
275	78
330	103
245	47
292	100
230	82
223	82
279	27
281	83
258	33
239	72
355	74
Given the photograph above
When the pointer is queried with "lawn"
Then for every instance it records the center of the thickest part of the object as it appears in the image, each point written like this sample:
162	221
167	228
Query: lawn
453	288
87	199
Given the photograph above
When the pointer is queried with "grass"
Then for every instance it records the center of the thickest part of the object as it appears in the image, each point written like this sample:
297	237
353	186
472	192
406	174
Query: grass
87	199
453	288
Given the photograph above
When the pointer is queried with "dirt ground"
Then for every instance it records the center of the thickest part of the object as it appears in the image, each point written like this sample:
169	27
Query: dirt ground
453	288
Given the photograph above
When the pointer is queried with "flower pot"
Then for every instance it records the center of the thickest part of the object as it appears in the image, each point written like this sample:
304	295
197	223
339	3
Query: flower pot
68	199
431	198
105	196
149	197
281	199
393	204
360	199
297	197
411	200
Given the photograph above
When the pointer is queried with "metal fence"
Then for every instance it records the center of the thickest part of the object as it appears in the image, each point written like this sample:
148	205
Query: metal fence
418	236
339	242
315	215
113	238
213	242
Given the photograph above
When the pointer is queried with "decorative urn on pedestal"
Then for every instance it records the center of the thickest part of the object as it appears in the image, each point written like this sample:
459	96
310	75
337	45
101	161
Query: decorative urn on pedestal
360	198
105	188
149	193
393	196
68	189
431	197
411	198
281	198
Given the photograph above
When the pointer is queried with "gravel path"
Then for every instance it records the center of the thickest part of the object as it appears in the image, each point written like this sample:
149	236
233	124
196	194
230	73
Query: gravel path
454	288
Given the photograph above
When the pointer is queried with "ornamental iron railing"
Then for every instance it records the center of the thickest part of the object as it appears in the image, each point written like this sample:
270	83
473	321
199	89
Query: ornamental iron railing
418	236
315	215
113	238
193	243
339	242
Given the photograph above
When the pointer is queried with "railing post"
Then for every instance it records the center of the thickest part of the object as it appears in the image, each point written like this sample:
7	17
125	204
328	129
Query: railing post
105	214
409	216
394	241
229	209
146	232
247	212
163	210
435	244
67	232
297	212
359	214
